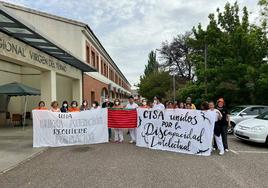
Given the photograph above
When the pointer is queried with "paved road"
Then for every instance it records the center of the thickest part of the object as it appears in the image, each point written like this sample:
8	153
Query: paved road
125	165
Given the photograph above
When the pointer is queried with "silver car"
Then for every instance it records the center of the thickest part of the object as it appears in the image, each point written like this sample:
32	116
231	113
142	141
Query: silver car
244	112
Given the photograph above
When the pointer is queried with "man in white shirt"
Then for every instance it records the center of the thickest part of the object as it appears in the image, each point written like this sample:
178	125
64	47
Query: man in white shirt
132	105
157	104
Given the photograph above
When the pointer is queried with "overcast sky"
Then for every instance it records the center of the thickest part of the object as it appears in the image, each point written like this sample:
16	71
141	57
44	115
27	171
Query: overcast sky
130	29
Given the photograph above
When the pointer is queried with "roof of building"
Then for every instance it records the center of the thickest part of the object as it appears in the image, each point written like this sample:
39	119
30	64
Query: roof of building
69	21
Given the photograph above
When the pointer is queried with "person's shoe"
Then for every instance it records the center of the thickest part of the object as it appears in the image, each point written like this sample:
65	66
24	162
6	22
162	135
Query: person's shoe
226	150
213	149
221	153
131	141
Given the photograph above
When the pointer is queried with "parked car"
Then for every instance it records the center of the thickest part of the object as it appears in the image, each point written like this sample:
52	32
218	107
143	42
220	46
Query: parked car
255	129
244	112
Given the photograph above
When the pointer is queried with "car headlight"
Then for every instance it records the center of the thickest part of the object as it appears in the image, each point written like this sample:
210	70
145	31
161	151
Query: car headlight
257	128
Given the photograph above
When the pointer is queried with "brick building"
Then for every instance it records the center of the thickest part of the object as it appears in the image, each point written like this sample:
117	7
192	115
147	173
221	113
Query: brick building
86	69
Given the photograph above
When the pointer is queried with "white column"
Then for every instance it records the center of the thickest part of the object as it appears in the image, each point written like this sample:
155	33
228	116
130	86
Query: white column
77	90
48	87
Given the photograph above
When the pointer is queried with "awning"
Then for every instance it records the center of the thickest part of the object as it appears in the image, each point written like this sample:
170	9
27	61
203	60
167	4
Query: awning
18	89
14	27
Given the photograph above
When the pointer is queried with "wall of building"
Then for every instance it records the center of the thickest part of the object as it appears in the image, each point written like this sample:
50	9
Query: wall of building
93	86
64	89
75	40
66	35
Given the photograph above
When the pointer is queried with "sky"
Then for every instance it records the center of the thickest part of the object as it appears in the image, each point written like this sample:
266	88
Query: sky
130	29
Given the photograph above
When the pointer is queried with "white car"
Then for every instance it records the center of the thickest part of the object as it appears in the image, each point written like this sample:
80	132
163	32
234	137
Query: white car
244	112
255	129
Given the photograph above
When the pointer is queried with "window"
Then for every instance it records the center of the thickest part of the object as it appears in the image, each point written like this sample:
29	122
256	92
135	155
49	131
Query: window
252	111
264	109
93	63
87	54
97	63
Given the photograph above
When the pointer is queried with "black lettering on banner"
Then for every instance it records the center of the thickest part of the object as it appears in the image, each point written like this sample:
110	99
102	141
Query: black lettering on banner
172	133
155	114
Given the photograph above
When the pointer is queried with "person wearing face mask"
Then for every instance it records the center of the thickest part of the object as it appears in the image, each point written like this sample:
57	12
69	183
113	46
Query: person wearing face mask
95	105
118	133
84	106
144	104
74	107
107	103
157	104
224	122
132	105
64	107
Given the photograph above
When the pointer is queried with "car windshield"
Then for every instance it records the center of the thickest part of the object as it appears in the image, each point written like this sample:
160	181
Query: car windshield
236	110
263	116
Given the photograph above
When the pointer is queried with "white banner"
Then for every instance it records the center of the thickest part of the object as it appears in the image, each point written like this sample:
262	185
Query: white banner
64	129
177	130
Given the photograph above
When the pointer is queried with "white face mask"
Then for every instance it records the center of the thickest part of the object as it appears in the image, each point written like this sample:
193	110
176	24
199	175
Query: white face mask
65	105
117	103
144	103
106	100
93	105
84	103
74	105
155	101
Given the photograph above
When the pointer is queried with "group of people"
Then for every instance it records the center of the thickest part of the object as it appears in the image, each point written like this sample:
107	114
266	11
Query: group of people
221	123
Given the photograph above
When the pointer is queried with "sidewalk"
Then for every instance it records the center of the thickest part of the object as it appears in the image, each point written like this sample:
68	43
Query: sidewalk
16	145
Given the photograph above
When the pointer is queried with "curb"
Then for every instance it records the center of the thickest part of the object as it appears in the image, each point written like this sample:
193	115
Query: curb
23	161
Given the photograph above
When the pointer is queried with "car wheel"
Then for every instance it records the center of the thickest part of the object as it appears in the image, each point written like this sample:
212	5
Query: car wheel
231	129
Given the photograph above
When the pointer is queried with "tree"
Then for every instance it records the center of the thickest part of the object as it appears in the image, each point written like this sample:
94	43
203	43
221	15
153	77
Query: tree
154	82
176	57
235	58
152	65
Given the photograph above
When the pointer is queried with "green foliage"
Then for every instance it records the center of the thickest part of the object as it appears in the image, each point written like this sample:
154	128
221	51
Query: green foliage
152	65
235	70
155	84
235	58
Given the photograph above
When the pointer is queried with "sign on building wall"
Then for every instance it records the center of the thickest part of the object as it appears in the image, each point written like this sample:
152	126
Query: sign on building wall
10	46
52	129
178	130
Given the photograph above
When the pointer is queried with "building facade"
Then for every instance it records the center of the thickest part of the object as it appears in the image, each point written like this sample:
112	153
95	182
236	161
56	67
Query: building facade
61	57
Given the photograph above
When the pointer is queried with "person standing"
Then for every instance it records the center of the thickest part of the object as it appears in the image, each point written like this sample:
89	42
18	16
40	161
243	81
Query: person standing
95	105
157	104
74	107
144	104
170	105
132	105
223	123
41	106
118	133
55	107
64	107
108	104
84	106
189	102
217	133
